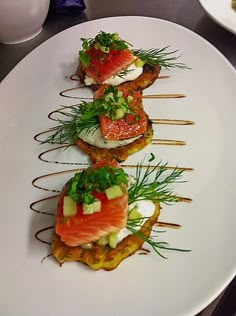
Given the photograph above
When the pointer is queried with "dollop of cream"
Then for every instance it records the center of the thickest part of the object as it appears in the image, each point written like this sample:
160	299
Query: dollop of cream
133	72
146	208
95	138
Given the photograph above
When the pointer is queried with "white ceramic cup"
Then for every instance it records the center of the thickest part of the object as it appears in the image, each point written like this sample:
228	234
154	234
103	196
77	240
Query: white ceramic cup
21	20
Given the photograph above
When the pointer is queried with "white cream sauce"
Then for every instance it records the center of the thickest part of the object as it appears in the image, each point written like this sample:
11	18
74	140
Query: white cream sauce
146	208
95	138
133	73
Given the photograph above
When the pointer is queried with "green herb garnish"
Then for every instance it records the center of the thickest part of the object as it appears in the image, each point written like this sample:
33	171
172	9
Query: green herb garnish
110	40
156	190
159	57
124	73
157	246
149	186
102	41
152	157
82	117
84	58
153	56
84	183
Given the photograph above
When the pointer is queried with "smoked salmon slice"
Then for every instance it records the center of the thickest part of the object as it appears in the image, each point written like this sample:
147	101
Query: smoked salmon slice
131	125
103	66
85	228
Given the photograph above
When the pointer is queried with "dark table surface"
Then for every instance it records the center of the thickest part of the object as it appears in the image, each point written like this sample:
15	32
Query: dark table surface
187	13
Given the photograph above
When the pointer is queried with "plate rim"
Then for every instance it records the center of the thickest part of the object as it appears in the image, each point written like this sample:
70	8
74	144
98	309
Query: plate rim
216	19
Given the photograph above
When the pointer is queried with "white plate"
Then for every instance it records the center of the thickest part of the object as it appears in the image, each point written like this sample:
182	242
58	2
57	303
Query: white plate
221	12
184	283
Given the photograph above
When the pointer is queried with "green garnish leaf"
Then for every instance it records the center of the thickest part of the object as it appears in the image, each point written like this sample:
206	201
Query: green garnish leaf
152	157
84	58
86	43
110	40
84	183
156	190
157	246
159	57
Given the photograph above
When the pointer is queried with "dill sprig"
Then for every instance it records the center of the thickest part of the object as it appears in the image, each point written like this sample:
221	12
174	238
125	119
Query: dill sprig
124	73
147	185
82	117
159	57
157	246
157	190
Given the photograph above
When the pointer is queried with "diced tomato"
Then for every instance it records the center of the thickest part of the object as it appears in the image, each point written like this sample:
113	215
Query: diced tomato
131	125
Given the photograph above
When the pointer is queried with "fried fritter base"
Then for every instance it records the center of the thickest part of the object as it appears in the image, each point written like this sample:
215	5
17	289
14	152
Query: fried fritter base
104	257
146	79
119	153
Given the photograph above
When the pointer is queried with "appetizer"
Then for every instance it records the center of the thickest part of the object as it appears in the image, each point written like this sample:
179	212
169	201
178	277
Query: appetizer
108	59
105	216
114	125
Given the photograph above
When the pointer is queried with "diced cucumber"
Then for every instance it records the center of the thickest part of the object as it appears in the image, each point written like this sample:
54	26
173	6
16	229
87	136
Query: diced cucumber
119	94
104	49
134	214
69	206
130	98
92	208
124	109
114	192
121	101
119	113
109	97
102	241
139	63
112	240
115	36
